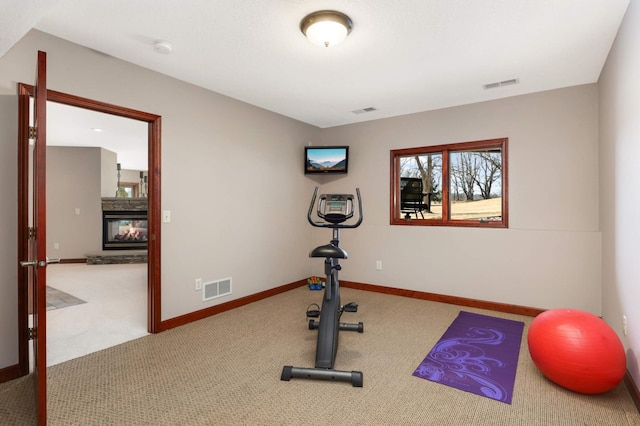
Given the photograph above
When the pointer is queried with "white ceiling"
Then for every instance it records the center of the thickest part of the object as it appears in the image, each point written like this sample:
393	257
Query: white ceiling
402	56
70	126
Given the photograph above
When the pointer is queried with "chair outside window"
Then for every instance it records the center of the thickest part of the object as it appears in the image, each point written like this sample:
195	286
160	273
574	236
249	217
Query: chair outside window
413	200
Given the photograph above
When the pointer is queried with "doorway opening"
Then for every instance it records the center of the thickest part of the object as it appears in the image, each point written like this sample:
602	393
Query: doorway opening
94	305
153	123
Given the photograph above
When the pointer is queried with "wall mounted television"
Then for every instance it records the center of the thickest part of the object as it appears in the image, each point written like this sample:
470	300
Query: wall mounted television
326	159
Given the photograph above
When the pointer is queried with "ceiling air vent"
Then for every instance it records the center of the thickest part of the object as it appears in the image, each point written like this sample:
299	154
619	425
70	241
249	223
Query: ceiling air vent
500	84
363	110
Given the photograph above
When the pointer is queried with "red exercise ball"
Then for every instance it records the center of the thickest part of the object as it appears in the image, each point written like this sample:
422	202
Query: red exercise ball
577	350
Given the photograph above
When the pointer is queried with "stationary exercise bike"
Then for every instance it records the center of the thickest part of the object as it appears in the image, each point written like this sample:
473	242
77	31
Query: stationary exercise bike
334	209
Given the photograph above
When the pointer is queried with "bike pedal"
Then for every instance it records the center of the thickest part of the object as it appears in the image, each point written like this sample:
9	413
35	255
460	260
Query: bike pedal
313	310
351	307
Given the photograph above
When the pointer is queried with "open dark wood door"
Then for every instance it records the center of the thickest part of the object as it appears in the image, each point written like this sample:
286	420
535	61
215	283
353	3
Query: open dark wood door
33	256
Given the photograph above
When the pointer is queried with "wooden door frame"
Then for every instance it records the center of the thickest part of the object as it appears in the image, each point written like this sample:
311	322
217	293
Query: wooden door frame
25	91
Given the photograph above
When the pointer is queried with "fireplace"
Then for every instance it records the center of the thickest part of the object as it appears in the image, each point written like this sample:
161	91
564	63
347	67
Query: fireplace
124	230
124	223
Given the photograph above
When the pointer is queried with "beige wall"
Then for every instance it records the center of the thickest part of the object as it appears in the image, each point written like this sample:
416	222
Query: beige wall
74	211
550	255
231	176
108	173
620	173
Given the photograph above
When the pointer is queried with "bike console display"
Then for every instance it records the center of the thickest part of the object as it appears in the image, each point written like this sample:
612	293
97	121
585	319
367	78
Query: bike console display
335	208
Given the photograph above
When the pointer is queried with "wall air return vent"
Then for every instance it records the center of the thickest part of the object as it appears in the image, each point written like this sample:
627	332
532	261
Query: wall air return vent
500	84
214	289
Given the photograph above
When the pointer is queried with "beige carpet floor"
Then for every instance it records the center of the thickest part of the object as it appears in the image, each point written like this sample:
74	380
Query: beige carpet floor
225	370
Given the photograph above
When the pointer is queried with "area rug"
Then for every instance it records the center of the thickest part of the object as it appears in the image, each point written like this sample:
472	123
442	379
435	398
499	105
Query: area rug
477	354
57	299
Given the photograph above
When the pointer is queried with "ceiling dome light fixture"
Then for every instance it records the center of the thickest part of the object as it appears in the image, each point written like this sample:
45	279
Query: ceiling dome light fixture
326	28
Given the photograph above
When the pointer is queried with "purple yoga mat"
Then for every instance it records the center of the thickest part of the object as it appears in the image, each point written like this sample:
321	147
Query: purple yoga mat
477	354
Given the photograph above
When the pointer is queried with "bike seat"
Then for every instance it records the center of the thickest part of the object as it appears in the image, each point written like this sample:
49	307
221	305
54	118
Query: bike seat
330	251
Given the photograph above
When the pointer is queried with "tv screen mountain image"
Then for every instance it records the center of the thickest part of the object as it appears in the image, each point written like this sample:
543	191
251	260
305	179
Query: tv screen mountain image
326	159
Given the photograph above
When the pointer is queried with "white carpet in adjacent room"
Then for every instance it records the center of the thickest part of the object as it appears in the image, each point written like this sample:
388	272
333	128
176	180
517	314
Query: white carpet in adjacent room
115	310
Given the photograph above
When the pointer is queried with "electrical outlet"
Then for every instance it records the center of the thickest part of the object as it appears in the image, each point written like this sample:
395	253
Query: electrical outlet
56	246
379	265
198	284
624	324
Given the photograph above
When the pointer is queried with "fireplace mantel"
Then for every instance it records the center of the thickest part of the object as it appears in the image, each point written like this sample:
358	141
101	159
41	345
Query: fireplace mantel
124	204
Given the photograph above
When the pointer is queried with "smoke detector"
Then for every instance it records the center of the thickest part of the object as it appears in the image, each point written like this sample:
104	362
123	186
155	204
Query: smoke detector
163	47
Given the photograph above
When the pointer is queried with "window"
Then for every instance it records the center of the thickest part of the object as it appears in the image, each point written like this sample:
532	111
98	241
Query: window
461	184
129	190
